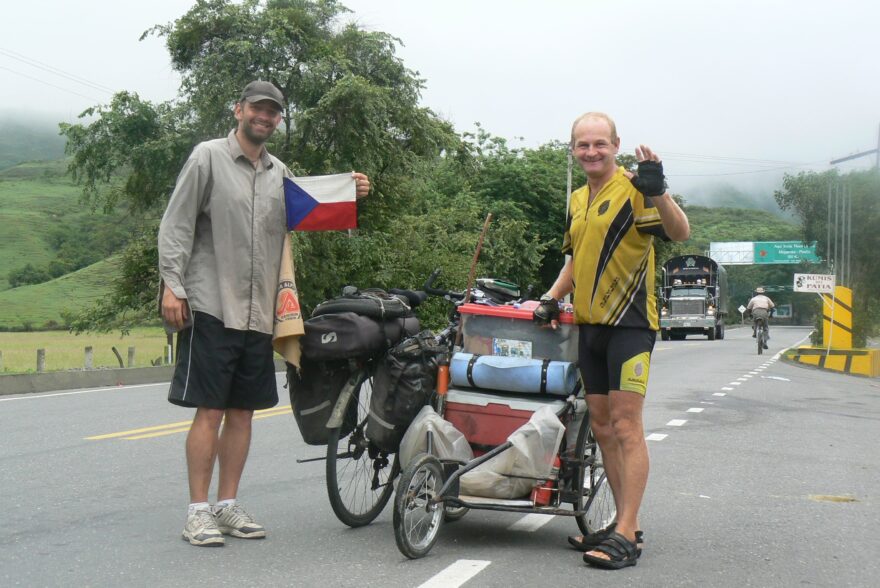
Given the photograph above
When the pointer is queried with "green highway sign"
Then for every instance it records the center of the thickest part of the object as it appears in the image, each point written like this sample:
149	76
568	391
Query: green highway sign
785	252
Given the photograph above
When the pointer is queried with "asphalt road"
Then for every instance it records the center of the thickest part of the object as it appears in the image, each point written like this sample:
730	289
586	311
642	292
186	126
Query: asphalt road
762	474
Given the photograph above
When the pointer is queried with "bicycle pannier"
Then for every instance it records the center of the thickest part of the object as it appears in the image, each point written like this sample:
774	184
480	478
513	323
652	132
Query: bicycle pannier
341	335
403	384
314	389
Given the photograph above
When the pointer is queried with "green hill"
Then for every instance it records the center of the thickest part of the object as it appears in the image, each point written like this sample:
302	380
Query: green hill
737	224
36	138
39	304
47	227
34	197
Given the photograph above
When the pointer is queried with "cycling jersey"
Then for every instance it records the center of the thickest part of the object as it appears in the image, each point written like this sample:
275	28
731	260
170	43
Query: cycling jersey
611	240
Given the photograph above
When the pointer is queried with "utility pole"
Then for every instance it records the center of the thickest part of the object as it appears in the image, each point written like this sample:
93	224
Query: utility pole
842	210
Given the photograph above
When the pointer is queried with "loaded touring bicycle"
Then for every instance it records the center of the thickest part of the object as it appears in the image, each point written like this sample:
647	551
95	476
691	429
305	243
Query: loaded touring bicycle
497	422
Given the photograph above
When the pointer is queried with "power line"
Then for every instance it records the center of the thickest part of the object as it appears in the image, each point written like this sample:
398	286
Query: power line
739	173
55	71
92	98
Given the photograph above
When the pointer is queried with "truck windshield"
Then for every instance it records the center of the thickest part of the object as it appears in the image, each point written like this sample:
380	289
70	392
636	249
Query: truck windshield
688	292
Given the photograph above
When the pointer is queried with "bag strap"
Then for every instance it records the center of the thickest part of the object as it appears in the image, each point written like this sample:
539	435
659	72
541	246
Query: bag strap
470	370
544	366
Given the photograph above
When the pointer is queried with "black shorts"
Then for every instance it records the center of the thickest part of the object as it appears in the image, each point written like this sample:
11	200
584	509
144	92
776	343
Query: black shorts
223	368
614	358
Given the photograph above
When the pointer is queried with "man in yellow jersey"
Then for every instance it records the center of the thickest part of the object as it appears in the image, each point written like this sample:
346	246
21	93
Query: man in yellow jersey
610	231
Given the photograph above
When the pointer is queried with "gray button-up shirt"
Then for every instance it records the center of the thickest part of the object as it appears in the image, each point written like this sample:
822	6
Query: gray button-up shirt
221	237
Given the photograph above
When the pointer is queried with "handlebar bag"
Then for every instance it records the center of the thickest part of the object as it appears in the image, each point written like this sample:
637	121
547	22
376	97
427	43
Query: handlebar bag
314	389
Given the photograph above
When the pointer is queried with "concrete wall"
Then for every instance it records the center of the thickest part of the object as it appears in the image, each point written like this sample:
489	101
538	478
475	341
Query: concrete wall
77	379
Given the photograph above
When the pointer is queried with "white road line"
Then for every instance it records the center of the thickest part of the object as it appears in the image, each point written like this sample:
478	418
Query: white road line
742	379
676	423
656	437
695	410
530	523
734	383
728	388
753	373
721	393
104	389
457	574
746	376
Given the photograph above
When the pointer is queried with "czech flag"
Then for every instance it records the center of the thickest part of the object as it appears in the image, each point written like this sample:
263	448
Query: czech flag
321	203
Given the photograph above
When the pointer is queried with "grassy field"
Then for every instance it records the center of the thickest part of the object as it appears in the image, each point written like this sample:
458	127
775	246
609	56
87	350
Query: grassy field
65	351
40	303
33	197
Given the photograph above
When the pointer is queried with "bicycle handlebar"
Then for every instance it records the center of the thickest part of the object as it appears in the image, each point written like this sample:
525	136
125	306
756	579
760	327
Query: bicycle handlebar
428	287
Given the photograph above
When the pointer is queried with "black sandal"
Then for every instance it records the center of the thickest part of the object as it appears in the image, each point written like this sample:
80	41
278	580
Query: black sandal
592	540
621	553
587	542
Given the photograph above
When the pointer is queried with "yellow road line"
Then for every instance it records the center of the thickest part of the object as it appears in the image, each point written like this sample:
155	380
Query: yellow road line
178	427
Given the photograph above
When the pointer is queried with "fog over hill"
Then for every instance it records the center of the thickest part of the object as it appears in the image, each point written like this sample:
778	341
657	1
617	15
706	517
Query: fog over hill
28	137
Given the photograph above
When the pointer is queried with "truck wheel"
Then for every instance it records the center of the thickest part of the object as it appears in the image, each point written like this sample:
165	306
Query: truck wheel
664	335
711	334
720	331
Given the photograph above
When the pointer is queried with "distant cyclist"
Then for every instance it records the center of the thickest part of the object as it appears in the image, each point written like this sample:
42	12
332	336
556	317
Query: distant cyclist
760	306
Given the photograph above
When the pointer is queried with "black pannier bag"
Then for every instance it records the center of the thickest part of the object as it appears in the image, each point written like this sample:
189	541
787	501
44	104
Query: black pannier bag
403	384
358	324
314	389
343	335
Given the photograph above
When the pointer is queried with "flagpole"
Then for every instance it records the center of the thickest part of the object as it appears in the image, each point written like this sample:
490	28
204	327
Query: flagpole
568	203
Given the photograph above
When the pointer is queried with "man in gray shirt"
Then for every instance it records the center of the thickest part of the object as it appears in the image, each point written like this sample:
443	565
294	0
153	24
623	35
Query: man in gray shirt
220	244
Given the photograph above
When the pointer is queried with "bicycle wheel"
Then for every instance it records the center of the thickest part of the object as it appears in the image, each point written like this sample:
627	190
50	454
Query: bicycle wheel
595	497
760	337
417	522
359	476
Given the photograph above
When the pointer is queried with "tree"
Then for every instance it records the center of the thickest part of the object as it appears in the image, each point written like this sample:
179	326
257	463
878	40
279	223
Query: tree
806	195
351	104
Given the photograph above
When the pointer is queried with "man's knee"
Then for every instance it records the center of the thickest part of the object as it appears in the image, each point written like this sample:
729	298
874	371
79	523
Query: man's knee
208	417
239	418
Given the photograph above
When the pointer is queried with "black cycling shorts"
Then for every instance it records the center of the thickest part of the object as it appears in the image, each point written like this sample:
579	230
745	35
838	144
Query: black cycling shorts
223	368
614	358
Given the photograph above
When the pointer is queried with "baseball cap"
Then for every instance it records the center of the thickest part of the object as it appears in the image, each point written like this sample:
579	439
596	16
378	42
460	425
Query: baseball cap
260	90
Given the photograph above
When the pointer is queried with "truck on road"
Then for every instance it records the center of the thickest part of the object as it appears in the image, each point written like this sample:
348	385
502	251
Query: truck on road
692	298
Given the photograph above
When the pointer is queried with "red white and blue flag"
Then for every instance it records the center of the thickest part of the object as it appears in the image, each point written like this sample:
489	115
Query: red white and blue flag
321	203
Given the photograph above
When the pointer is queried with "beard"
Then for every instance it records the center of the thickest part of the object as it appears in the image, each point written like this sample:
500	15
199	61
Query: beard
253	136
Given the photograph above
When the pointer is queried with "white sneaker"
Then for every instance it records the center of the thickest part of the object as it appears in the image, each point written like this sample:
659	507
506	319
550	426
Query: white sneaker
201	529
234	520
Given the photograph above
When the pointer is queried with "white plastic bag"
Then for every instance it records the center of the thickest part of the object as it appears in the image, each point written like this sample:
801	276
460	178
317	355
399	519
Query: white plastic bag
534	446
448	442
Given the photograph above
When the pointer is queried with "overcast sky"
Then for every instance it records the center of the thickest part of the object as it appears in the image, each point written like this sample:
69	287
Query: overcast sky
728	92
